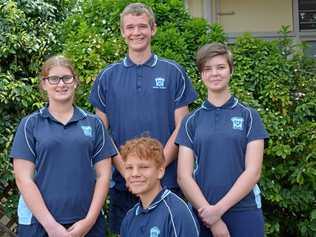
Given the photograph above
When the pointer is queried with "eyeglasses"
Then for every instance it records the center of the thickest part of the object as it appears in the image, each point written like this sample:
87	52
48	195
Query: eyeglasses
54	80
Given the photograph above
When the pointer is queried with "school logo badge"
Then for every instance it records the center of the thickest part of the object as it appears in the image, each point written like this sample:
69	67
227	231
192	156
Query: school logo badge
238	123
154	232
159	83
87	131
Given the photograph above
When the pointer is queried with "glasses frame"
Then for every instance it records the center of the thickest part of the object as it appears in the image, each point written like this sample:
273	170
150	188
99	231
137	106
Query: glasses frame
72	79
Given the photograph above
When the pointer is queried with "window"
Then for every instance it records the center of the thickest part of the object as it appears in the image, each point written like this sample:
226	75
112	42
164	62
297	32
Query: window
307	15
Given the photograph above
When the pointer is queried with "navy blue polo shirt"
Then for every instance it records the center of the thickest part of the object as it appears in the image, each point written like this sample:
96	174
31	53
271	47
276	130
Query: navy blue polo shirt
64	158
218	136
142	99
167	216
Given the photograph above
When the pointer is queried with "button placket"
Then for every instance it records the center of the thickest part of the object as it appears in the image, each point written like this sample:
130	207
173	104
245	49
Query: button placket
139	77
217	115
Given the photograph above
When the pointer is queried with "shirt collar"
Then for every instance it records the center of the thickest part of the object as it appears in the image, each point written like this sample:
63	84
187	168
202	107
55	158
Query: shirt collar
151	62
230	104
78	114
160	196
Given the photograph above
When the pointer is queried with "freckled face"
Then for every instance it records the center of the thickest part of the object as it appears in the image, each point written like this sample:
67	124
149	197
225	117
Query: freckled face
142	176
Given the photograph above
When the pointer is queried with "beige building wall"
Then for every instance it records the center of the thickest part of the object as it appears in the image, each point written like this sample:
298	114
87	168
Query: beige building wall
245	15
195	7
255	15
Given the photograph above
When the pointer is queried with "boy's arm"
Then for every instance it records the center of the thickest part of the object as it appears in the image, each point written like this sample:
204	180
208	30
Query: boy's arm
117	160
171	149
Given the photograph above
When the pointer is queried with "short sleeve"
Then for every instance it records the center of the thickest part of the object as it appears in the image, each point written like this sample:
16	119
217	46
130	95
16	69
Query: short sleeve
124	228
98	92
24	142
185	134
185	93
256	129
185	223
104	146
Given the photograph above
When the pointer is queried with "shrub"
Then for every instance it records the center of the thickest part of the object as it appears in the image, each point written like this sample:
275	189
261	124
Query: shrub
27	37
272	76
280	82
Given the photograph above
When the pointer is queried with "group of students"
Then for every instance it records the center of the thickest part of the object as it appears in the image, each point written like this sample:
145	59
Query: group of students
63	156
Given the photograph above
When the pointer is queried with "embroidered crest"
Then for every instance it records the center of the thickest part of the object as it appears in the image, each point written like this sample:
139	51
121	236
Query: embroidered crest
159	83
238	123
87	131
154	232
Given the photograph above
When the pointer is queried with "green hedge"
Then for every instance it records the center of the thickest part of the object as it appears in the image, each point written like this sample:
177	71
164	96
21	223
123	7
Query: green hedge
272	76
280	83
27	36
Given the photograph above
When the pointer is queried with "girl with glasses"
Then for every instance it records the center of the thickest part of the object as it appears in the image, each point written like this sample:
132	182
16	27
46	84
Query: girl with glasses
61	161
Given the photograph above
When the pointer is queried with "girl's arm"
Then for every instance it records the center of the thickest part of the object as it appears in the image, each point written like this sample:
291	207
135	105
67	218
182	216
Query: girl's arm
192	191
243	185
103	174
185	178
24	172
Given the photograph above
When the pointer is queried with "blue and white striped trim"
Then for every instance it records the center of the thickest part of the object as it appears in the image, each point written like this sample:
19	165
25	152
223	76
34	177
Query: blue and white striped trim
25	133
99	79
41	110
236	102
203	106
196	162
103	138
165	194
256	192
171	215
153	205
191	214
233	106
125	62
83	112
182	77
137	209
191	139
155	61
152	65
24	213
250	127
186	124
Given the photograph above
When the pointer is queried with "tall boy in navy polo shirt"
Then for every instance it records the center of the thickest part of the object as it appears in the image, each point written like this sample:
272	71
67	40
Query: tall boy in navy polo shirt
141	94
160	212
